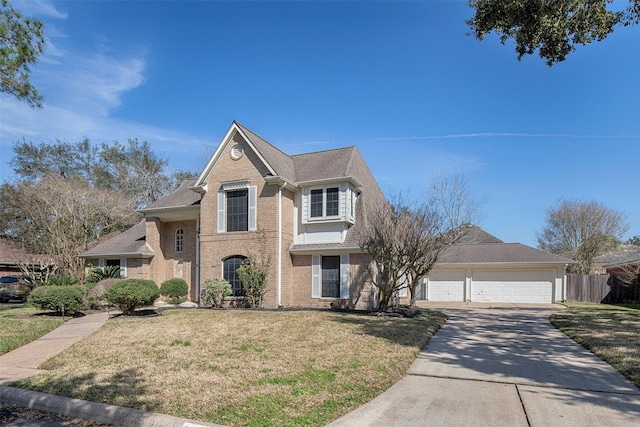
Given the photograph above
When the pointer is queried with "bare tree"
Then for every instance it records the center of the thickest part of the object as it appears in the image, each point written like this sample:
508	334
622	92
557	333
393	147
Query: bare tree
61	216
581	230
404	239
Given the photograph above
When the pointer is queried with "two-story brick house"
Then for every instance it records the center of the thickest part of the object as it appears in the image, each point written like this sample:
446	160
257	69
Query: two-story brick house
310	208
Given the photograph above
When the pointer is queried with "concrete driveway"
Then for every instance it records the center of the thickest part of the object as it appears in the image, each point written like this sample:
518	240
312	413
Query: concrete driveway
503	365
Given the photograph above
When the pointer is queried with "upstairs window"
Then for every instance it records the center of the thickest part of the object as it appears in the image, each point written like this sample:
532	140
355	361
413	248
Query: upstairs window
179	239
324	202
237	210
237	207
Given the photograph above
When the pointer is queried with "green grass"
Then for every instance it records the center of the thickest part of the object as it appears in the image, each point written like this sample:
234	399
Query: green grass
16	332
240	367
611	332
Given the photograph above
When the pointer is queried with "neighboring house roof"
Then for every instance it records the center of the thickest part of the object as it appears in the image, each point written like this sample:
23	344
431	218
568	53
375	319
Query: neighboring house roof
128	243
628	255
498	253
476	234
11	253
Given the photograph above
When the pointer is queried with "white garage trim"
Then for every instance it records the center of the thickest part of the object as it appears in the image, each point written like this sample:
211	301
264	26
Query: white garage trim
446	285
528	286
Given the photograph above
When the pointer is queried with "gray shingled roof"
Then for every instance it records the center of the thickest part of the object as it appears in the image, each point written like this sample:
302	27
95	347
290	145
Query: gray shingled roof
336	163
282	163
182	196
478	235
130	242
498	253
628	255
324	164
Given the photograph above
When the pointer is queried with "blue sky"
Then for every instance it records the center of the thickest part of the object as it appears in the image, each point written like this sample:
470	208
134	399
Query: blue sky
400	80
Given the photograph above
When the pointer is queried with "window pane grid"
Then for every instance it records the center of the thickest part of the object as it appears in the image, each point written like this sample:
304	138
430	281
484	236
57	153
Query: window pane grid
330	277
230	273
316	203
237	210
179	239
332	201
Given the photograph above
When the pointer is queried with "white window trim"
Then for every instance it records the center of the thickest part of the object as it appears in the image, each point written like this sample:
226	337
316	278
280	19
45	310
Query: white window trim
102	262
252	202
346	204
316	277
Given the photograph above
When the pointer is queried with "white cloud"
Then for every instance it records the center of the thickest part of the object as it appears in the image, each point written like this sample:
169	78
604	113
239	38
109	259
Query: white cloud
81	91
43	8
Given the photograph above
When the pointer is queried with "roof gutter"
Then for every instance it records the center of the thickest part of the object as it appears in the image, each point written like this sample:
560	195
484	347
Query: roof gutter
350	179
119	255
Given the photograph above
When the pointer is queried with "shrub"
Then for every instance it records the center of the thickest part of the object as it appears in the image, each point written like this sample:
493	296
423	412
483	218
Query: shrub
62	299
215	290
254	281
129	294
97	295
61	281
97	274
174	288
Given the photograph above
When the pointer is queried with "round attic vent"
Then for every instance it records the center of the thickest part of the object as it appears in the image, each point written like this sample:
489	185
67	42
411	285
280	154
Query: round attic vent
236	152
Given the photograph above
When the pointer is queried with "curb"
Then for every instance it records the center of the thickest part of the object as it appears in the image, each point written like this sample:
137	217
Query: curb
92	411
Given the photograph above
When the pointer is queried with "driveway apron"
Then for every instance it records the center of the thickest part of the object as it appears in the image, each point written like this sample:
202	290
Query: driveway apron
503	365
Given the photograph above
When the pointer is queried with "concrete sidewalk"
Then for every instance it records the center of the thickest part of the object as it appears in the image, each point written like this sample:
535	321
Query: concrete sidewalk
503	365
23	362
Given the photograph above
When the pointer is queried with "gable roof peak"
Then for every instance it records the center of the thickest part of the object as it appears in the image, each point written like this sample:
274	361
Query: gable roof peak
248	132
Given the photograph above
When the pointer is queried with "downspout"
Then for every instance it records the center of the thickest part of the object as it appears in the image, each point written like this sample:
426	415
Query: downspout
197	298
279	269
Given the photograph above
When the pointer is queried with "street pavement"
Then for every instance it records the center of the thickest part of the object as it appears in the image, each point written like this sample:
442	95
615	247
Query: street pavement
502	365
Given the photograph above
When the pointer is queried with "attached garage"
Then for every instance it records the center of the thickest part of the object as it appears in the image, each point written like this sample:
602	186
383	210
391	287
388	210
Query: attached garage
446	286
485	269
533	286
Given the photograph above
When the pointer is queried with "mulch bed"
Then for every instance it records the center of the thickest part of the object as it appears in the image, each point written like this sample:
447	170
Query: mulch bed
52	315
17	415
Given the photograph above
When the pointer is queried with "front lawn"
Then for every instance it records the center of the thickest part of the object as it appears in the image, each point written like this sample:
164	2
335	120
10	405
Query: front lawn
611	332
240	367
18	328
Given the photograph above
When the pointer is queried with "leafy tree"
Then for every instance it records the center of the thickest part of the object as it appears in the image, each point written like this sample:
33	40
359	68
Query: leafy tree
21	42
32	162
581	231
404	239
635	240
132	169
553	27
62	216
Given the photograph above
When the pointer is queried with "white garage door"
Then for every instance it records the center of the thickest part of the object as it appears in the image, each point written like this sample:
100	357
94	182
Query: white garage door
446	286
512	286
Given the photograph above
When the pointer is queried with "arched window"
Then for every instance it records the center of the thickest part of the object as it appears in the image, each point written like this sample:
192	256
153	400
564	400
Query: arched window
179	240
230	273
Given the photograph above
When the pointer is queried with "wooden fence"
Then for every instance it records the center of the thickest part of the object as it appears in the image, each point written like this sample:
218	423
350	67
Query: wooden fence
600	288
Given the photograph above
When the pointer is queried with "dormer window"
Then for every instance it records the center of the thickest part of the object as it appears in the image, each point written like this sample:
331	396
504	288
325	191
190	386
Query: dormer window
325	202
